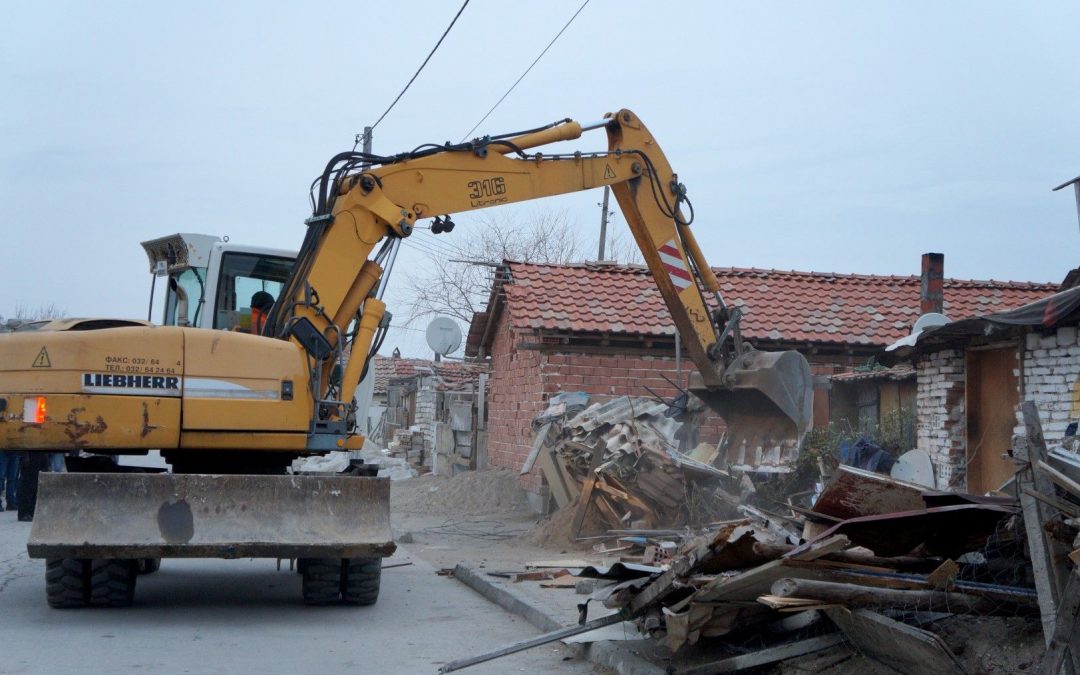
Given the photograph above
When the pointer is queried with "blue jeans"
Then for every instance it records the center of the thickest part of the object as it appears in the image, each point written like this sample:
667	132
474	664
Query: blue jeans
9	475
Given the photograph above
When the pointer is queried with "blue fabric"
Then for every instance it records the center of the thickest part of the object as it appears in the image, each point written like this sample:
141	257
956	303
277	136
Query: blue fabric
9	475
867	455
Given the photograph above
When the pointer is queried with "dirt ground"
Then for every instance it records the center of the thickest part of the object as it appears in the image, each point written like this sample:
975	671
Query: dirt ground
482	518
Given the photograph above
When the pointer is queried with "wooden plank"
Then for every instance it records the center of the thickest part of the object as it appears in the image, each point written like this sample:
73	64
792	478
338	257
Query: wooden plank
1039	549
1071	510
557	480
538	443
818	549
765	656
852	595
910	650
943	577
1066	640
1060	479
586	492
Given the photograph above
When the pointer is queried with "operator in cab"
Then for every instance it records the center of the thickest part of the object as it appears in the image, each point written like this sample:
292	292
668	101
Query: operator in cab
261	302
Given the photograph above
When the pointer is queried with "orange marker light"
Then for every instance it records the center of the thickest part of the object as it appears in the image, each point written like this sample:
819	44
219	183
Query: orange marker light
34	410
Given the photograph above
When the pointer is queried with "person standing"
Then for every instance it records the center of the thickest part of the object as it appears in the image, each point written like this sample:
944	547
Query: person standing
9	478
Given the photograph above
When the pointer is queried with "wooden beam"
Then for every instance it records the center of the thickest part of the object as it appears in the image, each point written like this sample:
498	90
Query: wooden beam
1059	479
765	656
1035	514
852	595
910	650
587	491
1066	638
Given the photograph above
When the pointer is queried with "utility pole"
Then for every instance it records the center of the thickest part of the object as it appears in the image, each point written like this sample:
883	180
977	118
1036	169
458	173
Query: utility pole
603	222
366	147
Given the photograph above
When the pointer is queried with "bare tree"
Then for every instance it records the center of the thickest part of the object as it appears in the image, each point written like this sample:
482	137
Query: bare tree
458	285
24	314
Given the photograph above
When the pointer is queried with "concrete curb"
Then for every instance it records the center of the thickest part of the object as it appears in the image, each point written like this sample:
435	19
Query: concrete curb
613	655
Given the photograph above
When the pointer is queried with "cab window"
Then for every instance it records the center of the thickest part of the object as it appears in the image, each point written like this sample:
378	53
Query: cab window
191	280
242	276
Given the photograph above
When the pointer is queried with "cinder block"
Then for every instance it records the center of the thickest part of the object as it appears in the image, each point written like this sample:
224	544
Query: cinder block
1066	335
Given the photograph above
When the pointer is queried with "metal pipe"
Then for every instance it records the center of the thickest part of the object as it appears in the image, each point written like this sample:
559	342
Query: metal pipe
388	268
563	132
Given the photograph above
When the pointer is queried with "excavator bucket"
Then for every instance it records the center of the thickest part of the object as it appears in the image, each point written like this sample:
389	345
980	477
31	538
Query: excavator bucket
767	405
125	515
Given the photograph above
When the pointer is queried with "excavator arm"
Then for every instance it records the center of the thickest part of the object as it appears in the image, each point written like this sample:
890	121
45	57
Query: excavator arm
361	209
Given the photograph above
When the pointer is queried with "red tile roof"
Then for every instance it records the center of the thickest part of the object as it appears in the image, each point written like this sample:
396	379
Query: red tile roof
452	375
792	306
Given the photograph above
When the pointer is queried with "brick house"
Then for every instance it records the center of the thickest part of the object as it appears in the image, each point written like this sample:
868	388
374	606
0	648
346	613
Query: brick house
604	329
973	375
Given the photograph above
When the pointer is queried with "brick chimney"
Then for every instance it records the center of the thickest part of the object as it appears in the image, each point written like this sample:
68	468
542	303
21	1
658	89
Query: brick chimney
932	288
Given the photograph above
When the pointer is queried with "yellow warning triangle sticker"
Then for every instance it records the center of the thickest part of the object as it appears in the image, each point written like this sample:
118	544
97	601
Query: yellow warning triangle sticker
608	171
42	360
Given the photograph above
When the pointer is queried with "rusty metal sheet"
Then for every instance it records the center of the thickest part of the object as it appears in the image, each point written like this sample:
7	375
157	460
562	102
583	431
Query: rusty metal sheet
106	515
855	492
946	531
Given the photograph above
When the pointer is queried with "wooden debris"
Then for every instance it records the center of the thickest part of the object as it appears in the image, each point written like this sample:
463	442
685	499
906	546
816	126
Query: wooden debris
1066	638
853	595
765	656
910	650
943	577
821	548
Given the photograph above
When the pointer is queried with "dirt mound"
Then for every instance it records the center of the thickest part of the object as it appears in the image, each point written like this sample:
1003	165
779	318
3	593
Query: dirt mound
554	532
472	493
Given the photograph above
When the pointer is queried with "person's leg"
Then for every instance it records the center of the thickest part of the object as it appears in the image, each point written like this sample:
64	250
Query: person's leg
5	482
32	463
12	480
56	462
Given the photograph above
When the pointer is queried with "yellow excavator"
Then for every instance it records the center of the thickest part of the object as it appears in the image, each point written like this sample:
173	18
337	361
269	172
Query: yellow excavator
230	410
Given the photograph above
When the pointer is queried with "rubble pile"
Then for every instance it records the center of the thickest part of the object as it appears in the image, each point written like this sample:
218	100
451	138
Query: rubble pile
868	559
621	458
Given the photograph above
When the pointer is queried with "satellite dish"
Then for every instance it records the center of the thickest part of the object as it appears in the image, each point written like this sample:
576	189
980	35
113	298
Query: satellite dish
928	320
443	335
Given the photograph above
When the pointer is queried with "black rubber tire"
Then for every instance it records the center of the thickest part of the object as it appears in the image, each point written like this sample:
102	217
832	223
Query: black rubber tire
322	581
149	565
112	582
66	584
360	580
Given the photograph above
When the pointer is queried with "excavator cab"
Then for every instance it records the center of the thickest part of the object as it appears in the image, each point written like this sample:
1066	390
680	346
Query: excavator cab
210	282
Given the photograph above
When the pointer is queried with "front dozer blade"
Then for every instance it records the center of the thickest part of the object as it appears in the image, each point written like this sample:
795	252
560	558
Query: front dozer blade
111	515
768	405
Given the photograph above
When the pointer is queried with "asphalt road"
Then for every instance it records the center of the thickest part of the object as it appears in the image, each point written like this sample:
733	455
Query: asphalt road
229	616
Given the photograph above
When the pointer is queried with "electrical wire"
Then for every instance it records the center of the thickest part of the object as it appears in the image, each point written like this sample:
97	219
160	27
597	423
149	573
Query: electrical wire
417	73
537	59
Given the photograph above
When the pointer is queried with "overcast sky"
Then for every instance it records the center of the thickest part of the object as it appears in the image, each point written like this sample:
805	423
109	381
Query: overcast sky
824	136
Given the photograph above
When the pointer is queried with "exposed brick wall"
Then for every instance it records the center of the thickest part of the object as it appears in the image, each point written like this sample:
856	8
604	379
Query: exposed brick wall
939	404
522	380
1051	375
515	396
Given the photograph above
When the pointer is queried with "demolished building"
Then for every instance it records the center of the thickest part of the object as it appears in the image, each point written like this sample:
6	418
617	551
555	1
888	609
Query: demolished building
603	329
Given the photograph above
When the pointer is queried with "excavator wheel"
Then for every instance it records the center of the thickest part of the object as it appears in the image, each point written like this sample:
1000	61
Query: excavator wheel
322	581
360	580
65	583
112	582
149	565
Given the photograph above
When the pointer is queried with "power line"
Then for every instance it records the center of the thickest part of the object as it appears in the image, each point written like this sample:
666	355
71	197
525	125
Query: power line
430	54
466	136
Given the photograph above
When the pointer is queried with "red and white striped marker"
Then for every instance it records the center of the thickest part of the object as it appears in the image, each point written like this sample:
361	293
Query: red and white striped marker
675	265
